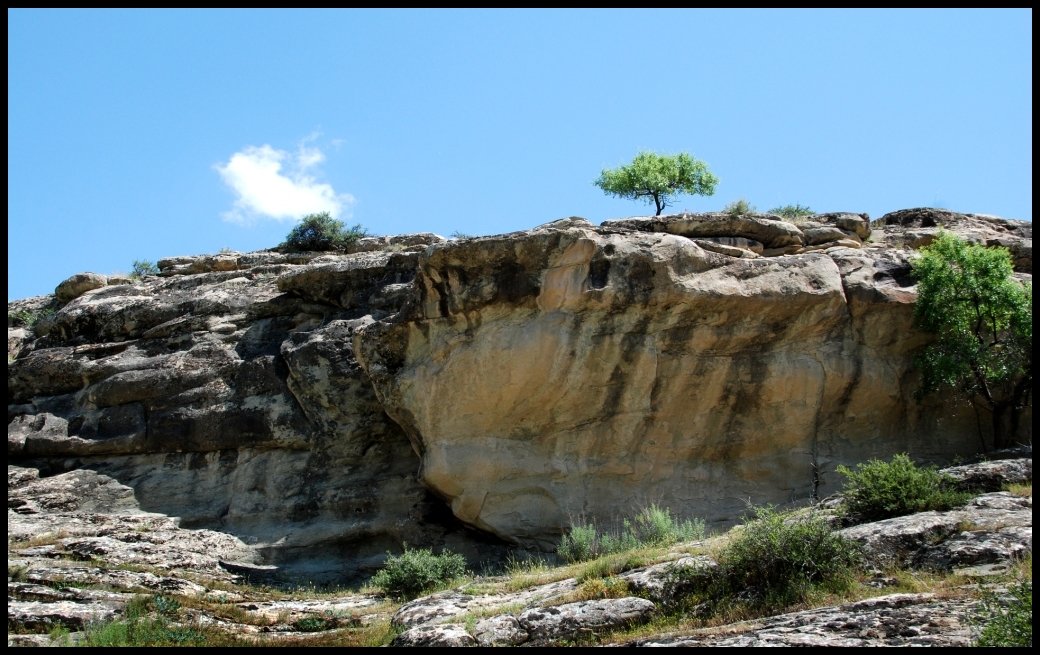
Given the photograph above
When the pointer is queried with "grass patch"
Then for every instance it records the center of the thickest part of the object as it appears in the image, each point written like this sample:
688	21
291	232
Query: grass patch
1020	490
652	526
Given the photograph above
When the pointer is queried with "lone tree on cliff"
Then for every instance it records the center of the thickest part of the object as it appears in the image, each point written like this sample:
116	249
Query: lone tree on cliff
983	319
658	178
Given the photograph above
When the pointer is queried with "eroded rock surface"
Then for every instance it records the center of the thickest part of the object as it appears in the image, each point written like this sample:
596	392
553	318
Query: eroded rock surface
324	408
581	371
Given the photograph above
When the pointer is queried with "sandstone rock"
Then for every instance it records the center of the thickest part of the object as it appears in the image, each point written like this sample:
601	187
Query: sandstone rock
894	620
914	228
726	249
349	282
992	475
770	232
584	618
826	234
411	242
46	616
434	636
78	284
856	224
950	539
322	407
630	340
668	581
499	631
443	607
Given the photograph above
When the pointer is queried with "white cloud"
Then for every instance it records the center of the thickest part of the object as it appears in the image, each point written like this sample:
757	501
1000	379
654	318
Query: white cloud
271	183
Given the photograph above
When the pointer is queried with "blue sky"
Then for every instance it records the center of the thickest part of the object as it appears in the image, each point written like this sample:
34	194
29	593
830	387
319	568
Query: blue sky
146	134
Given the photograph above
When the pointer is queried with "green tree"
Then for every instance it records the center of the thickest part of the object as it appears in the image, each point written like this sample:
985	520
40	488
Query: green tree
321	232
658	178
983	320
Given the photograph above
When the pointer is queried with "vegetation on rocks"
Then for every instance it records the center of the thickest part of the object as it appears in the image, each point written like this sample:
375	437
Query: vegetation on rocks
417	570
1007	619
879	490
321	232
794	213
658	179
653	525
983	321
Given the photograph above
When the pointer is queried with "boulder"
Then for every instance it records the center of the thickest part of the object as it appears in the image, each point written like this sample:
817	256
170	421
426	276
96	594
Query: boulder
78	284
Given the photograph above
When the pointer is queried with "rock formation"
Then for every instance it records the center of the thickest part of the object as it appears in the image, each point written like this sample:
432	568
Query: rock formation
324	408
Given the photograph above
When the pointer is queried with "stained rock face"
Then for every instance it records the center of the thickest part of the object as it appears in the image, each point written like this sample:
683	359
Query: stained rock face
326	407
219	398
575	371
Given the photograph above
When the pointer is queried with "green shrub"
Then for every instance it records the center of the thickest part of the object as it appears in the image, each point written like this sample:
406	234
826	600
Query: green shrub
415	571
792	212
321	232
739	208
776	559
582	542
314	624
28	318
1007	621
880	490
143	268
652	526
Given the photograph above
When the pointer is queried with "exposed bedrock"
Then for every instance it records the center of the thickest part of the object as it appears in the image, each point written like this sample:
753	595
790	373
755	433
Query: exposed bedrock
574	371
327	407
235	406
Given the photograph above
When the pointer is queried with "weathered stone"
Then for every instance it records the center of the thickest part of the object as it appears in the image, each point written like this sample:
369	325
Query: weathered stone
301	402
951	539
992	475
656	395
894	620
434	636
770	232
585	618
499	631
349	282
668	581
78	284
826	234
45	616
726	249
856	224
914	228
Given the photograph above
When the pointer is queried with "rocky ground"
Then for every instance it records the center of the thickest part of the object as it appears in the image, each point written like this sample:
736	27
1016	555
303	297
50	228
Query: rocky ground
80	549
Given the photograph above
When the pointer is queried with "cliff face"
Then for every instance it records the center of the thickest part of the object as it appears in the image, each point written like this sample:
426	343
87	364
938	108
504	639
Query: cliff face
309	404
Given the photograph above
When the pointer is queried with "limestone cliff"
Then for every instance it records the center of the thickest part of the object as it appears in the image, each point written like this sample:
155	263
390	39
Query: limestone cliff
309	404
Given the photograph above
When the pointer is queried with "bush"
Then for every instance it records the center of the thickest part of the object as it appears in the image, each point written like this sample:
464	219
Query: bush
792	212
415	571
776	559
321	232
28	318
1007	621
880	490
739	208
653	526
143	268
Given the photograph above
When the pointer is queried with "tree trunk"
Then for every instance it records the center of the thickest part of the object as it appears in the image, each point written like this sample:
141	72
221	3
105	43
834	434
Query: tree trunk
1000	436
660	205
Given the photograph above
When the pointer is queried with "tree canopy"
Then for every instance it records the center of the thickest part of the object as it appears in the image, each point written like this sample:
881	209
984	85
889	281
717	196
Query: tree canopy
983	320
658	178
321	232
